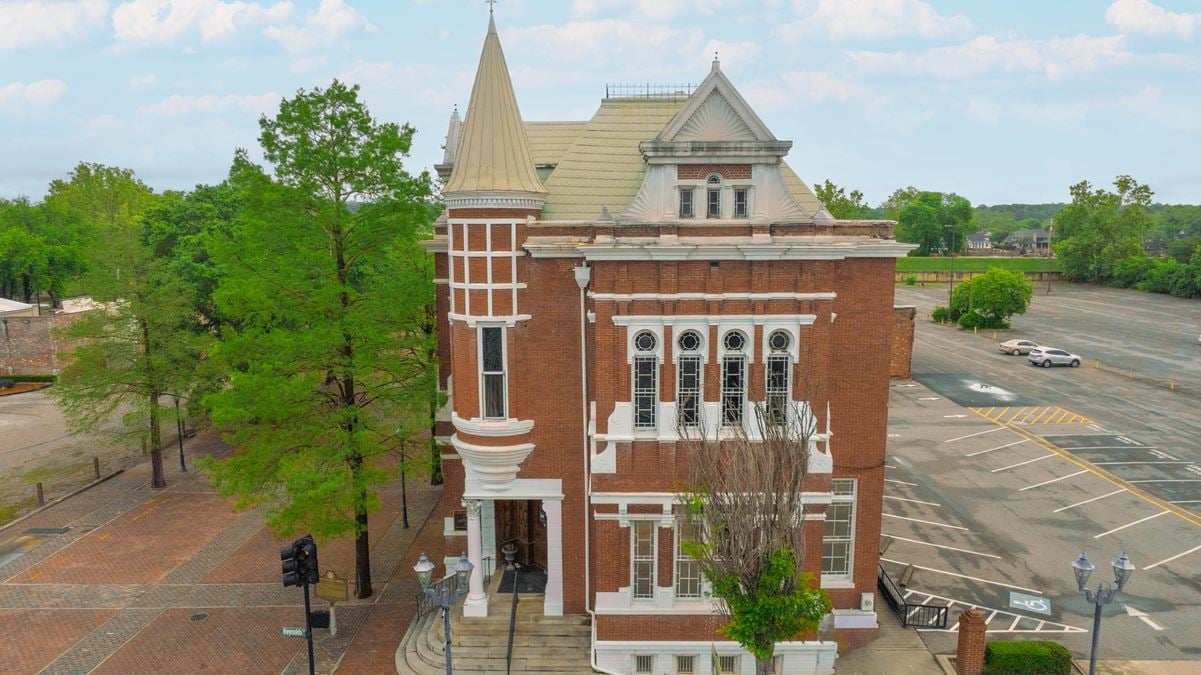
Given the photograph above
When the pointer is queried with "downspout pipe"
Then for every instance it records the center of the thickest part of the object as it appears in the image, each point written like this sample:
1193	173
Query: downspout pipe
583	274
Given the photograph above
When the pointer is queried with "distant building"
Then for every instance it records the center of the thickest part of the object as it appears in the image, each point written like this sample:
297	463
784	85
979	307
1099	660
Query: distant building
980	241
1029	241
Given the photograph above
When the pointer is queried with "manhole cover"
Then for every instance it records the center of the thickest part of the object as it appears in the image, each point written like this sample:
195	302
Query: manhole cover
198	617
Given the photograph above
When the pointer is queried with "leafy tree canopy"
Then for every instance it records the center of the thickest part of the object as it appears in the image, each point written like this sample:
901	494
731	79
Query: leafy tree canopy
1100	228
936	222
840	203
990	299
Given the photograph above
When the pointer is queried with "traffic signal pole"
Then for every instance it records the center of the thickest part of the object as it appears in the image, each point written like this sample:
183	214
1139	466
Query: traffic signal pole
308	630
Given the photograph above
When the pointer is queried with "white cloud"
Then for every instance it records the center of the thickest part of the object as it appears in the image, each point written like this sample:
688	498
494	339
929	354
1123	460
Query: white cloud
873	19
655	10
432	85
732	54
142	22
40	92
811	85
178	104
36	22
605	40
1054	58
321	28
1144	16
148	80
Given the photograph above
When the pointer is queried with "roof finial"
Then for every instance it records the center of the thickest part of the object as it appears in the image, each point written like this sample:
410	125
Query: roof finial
490	4
716	63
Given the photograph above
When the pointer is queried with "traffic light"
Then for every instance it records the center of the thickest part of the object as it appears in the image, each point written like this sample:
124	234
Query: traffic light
291	565
299	562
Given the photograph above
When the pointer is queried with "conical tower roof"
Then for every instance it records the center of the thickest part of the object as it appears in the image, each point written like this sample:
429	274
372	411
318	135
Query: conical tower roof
493	152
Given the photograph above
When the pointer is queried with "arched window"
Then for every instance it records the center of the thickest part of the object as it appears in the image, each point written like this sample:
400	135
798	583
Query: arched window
733	378
691	376
779	376
713	191
646	380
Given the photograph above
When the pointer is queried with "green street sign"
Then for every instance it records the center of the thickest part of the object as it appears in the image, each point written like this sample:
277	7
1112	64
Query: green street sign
293	632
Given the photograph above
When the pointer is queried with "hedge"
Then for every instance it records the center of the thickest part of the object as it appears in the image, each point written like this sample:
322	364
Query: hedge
30	378
976	264
1027	657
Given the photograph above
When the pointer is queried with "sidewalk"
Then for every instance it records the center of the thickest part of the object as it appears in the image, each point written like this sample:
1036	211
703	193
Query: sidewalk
897	650
126	579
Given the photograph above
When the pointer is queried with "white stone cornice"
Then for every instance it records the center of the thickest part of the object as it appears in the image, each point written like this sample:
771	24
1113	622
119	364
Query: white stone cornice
472	320
653	249
491	428
494	466
712	297
489	199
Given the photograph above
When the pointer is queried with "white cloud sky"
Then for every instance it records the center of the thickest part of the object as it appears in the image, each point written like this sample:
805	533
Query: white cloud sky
148	80
37	22
873	19
606	40
40	92
329	23
178	104
148	22
1144	16
1055	58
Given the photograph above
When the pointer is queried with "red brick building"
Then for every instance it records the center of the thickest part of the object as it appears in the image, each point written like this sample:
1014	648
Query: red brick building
603	283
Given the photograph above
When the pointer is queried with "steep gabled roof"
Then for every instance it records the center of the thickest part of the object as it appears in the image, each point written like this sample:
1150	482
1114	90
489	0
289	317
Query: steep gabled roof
493	151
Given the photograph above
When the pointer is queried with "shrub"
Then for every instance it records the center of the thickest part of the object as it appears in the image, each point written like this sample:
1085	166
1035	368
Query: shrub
911	280
1020	657
32	378
940	314
1161	276
989	299
1131	271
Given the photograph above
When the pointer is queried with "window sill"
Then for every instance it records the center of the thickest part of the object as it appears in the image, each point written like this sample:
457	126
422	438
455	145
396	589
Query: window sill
838	582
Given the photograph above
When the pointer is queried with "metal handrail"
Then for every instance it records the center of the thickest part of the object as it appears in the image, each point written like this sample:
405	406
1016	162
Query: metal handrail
911	614
425	602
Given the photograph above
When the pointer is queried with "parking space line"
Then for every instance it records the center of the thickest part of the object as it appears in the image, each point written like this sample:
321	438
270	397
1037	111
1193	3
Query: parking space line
1168	560
1114	447
1029	461
1156	462
925	522
915	501
999	447
1140	520
1185	515
893	480
979	433
964	576
1166	480
949	548
1016	620
1053	480
1089	501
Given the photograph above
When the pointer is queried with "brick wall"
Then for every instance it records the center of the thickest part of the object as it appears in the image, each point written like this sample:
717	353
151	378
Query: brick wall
903	318
969	657
701	171
29	344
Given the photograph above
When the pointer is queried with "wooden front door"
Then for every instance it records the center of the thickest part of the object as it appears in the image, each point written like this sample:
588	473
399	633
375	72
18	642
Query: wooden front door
520	522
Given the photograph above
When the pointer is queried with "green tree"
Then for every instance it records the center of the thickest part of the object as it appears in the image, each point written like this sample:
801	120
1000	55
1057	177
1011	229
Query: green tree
36	256
140	344
898	200
988	300
840	204
936	222
1100	228
755	572
324	349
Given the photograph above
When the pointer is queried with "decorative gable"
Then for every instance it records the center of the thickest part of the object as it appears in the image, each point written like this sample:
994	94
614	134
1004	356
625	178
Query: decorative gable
716	112
715	120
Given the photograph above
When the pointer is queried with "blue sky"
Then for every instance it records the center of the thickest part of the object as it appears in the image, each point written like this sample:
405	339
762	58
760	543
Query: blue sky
999	101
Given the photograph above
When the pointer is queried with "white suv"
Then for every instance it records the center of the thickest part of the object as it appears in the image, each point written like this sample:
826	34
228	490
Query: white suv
1050	356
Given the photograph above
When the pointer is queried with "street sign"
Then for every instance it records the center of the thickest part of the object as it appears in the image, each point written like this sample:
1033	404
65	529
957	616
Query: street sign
293	632
1029	603
332	588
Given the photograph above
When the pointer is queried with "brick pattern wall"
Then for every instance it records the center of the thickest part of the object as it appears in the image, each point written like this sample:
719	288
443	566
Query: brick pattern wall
702	171
969	657
29	345
903	318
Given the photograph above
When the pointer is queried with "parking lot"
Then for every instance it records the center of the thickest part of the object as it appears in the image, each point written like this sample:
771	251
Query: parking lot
1000	474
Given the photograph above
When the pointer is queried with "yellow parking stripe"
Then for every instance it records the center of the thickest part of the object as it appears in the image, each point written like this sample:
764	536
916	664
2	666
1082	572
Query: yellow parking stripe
1029	415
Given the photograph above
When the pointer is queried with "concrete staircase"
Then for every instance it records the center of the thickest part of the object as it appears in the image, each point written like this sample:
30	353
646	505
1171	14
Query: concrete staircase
546	645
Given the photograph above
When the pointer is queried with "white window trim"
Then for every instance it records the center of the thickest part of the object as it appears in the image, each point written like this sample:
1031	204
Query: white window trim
504	355
653	428
833	580
679	556
654	561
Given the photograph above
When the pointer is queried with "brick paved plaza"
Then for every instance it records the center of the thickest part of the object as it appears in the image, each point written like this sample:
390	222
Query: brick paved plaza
176	581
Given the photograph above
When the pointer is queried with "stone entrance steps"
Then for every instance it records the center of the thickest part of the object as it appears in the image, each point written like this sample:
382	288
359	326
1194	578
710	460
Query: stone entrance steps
546	645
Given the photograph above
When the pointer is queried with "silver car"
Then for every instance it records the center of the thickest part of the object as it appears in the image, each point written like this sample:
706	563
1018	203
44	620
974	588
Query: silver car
1017	346
1050	356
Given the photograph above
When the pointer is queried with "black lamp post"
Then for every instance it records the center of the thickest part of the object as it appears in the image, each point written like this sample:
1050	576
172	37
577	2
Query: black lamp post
1122	571
183	465
443	596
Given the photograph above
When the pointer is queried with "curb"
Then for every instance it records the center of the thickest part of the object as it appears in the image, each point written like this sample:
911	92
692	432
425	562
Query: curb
58	500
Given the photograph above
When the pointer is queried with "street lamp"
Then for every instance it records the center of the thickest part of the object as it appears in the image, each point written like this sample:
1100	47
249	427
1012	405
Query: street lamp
1122	571
1050	255
443	596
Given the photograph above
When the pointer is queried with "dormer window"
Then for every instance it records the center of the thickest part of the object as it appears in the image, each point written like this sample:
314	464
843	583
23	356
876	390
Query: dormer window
714	191
741	209
686	210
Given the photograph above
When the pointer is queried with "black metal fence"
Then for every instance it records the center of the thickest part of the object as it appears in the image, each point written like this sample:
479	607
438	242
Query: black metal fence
920	616
425	604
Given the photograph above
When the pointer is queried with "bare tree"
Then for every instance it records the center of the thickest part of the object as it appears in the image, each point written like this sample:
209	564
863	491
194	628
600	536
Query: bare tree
745	502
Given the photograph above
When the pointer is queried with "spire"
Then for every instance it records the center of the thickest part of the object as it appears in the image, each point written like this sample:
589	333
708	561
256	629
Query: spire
452	138
716	63
493	152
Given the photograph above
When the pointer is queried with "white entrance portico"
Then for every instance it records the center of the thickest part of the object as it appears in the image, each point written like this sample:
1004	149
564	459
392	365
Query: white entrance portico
549	491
